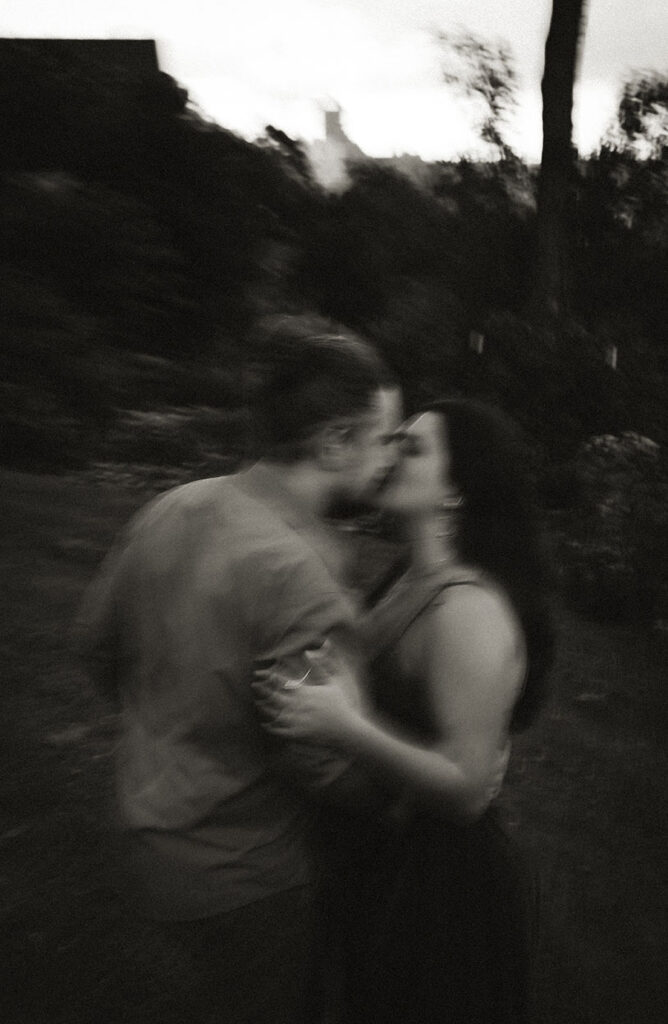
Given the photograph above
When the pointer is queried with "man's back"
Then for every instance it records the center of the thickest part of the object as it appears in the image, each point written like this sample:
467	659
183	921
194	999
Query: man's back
211	577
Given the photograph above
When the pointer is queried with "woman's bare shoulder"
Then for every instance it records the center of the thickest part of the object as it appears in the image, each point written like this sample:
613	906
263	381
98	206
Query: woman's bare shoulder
475	617
474	656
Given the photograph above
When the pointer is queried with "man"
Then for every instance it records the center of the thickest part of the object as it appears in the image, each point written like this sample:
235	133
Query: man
210	579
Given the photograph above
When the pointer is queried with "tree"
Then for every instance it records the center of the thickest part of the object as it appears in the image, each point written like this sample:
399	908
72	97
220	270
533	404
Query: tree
642	118
484	72
291	152
623	222
556	182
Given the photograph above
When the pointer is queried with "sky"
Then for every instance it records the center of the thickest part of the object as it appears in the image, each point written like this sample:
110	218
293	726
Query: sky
249	63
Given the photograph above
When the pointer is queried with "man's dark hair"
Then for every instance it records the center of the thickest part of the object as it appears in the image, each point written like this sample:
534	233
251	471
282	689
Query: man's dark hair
313	373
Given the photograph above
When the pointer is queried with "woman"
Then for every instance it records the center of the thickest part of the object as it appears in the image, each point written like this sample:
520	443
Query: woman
459	647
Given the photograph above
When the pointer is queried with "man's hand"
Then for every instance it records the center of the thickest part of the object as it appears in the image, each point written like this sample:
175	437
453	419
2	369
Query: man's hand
293	709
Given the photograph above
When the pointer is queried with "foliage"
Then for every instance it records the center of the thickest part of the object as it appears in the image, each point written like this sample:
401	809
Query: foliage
293	157
616	553
642	117
551	379
419	333
134	247
484	72
217	197
380	231
490	227
622	246
212	440
102	252
139	242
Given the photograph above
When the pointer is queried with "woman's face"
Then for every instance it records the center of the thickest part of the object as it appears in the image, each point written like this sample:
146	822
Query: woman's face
420	483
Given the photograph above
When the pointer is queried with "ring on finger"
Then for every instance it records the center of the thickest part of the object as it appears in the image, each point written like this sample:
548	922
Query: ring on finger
293	684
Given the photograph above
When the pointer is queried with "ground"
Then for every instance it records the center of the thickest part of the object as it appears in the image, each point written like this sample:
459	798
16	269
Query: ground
585	795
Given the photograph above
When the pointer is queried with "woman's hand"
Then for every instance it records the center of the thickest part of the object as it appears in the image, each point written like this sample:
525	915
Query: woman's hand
311	713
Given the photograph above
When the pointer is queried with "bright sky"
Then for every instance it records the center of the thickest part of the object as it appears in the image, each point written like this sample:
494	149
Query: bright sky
248	63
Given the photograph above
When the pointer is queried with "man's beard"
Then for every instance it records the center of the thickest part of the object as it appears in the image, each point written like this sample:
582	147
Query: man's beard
345	509
364	517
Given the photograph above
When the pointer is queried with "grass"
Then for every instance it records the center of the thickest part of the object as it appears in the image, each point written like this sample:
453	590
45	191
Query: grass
585	794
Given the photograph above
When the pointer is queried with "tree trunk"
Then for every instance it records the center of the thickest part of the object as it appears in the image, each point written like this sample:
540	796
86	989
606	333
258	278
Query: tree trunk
556	183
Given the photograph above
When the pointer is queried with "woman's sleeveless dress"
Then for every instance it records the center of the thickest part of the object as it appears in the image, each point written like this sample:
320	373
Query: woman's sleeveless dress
438	914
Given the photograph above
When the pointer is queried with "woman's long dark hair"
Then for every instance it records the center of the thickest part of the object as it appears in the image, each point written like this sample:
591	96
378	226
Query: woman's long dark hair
498	528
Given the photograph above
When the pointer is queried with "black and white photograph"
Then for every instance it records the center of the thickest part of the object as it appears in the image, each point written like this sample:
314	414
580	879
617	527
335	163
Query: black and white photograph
334	498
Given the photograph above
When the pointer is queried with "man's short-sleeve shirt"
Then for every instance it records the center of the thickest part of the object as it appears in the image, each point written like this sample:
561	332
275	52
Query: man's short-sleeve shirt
208	578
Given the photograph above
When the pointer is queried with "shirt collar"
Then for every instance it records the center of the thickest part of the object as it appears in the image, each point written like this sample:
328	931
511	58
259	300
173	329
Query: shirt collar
263	482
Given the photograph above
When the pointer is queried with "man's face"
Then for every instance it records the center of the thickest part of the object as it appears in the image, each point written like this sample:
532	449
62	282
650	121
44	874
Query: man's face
421	480
371	449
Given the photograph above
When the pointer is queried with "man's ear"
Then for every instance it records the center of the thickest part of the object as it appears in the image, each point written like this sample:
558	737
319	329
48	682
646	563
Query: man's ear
332	447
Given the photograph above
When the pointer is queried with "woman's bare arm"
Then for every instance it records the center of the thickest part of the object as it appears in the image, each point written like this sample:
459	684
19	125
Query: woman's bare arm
473	674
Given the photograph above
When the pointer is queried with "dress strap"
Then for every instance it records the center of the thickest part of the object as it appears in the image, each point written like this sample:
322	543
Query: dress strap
410	596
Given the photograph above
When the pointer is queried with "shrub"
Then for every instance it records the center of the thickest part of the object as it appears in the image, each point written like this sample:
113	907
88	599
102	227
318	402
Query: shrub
175	435
615	552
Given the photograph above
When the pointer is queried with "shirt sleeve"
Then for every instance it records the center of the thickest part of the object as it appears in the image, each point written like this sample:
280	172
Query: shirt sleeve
297	607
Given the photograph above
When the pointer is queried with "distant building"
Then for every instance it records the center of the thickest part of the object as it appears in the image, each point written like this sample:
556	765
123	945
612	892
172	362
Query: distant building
329	157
